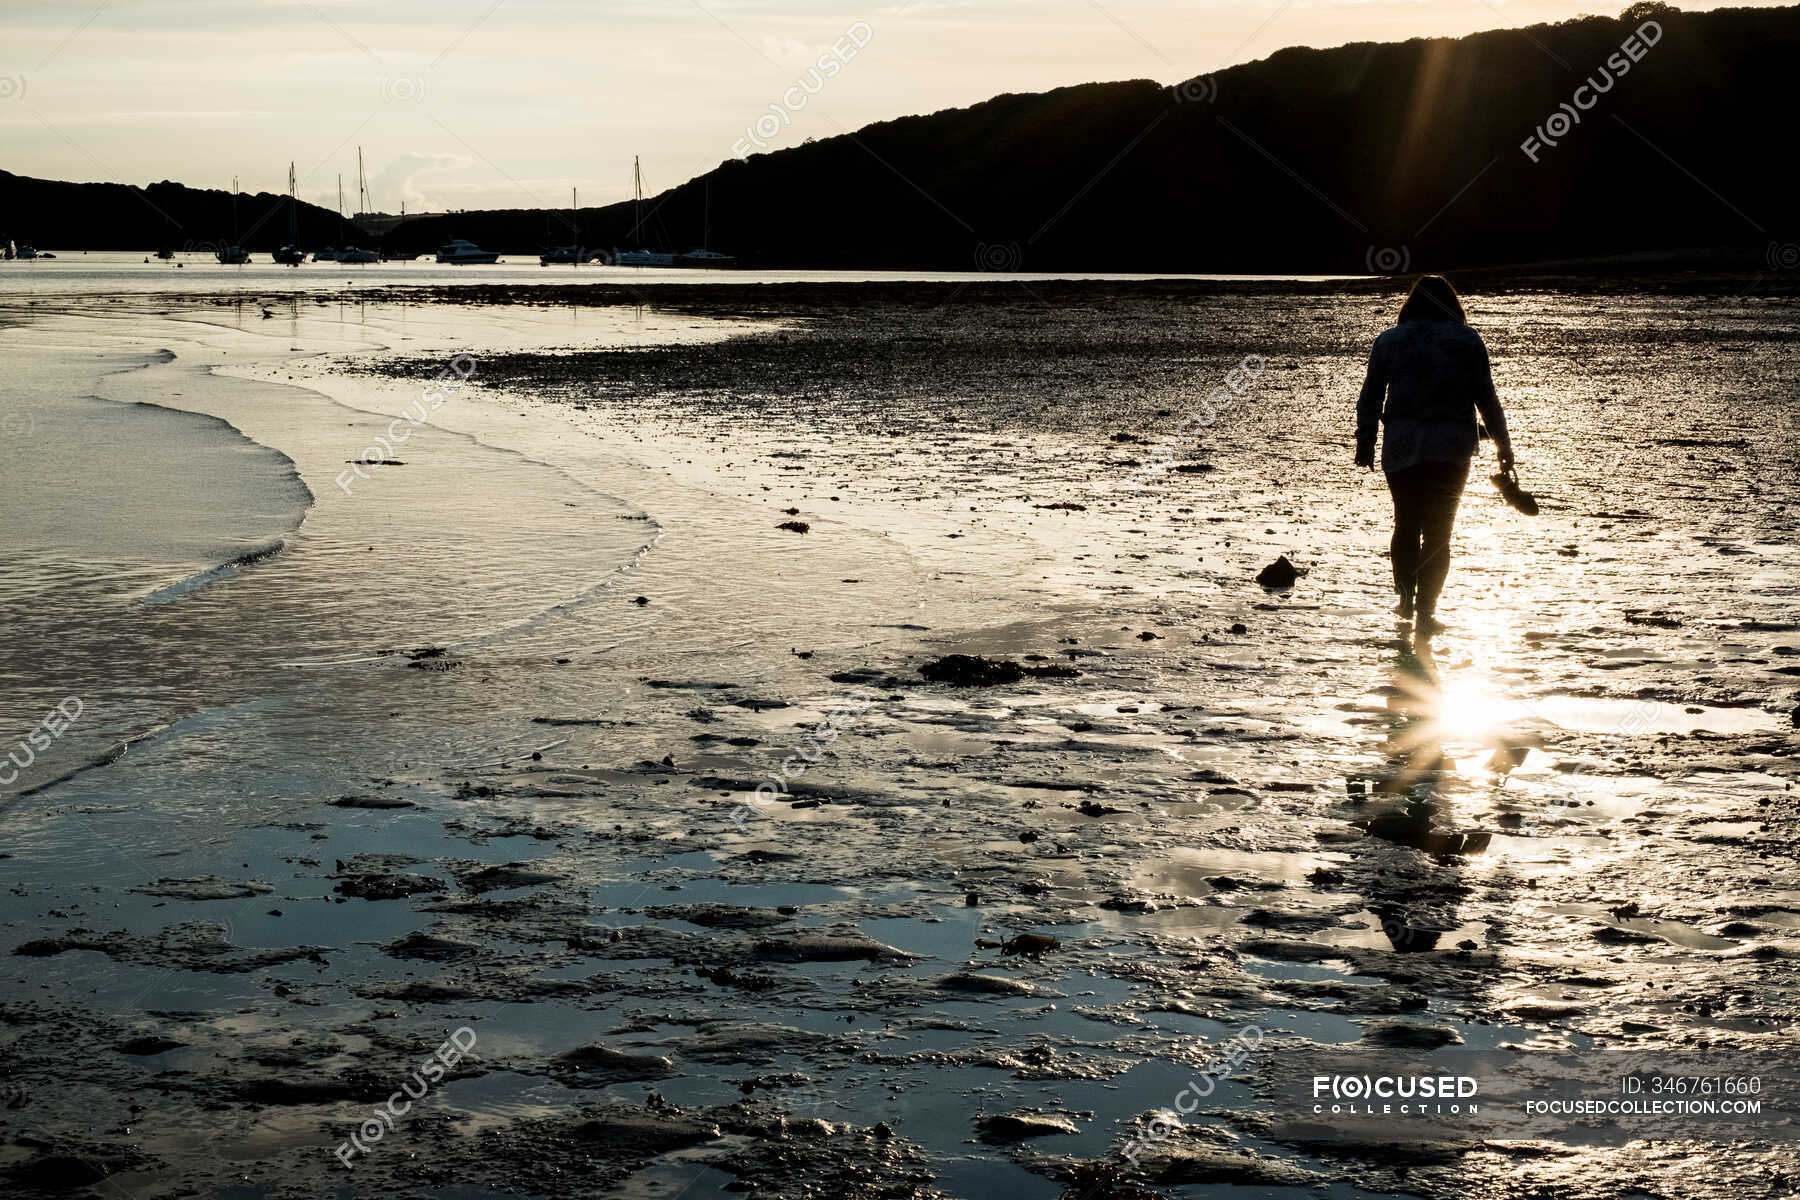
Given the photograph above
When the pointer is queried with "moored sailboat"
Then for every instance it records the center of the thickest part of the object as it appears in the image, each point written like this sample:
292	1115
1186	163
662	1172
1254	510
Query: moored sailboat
352	253
703	257
639	257
232	254
566	256
291	254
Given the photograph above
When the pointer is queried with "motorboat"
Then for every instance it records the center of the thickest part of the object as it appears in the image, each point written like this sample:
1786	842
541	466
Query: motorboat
706	258
462	252
642	258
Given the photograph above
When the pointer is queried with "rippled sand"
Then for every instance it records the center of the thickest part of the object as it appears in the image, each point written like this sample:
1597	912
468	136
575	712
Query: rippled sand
481	748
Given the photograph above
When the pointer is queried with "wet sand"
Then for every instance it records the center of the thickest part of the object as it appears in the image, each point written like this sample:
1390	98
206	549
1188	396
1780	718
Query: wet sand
1568	831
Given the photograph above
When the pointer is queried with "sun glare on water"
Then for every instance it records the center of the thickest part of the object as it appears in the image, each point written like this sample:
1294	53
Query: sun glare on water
1466	710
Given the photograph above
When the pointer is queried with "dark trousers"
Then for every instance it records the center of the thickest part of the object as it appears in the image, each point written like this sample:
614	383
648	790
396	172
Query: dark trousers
1425	500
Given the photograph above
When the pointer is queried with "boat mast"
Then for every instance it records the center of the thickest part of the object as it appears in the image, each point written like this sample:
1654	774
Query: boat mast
637	204
293	210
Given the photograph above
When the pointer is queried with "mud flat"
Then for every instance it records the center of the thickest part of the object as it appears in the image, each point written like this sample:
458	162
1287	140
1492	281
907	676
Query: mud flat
734	895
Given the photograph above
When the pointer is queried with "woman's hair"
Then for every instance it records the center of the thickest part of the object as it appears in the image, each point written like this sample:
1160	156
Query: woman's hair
1432	299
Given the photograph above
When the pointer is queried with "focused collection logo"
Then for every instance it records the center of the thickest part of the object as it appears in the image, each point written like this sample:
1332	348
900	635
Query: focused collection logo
1395	1095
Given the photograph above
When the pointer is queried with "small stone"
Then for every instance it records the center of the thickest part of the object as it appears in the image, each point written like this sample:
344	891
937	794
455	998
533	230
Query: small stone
1279	574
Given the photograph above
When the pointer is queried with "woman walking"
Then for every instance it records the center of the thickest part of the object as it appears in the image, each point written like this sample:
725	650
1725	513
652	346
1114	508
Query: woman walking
1428	377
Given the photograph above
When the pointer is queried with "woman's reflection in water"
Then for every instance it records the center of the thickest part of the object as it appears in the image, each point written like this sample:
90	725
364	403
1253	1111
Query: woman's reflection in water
1407	804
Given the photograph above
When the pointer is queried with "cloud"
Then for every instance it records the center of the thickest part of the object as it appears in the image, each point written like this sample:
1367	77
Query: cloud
399	180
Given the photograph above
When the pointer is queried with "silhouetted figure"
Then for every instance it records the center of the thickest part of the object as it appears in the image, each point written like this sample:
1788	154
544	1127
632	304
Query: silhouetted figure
1428	377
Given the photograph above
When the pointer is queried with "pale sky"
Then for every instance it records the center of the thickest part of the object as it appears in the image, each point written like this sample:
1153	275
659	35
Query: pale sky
509	103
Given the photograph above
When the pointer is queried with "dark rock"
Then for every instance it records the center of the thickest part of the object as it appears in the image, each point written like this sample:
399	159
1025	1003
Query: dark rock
142	1047
1409	1035
1013	1127
49	947
202	887
392	886
1231	883
988	985
739	1042
1614	936
726	977
497	878
968	670
64	1172
598	1066
1172	1163
299	1092
421	945
644	1133
718	916
1279	574
827	947
374	802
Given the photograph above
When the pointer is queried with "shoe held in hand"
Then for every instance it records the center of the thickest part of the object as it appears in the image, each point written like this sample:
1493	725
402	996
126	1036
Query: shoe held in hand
1513	494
